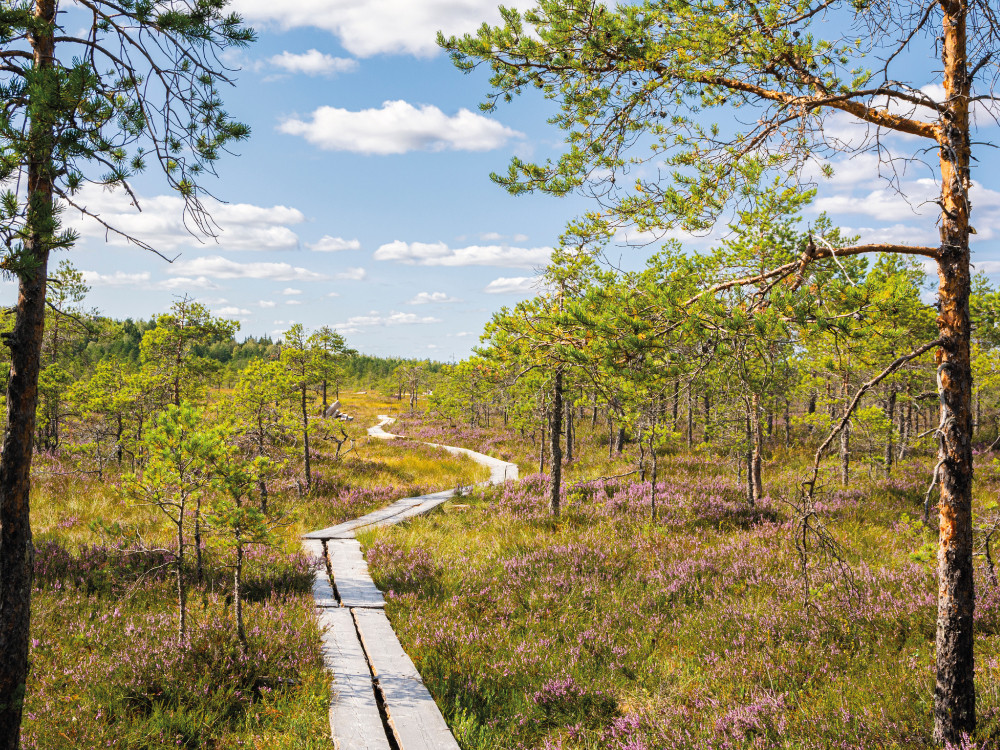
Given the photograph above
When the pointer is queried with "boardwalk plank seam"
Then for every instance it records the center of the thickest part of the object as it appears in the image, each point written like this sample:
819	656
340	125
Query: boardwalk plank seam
378	700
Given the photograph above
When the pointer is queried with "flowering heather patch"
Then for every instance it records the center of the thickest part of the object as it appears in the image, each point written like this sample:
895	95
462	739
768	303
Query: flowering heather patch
613	630
565	701
108	670
98	568
445	432
115	570
403	569
115	675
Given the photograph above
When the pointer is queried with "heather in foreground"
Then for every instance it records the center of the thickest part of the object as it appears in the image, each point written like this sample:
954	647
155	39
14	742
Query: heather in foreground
612	630
108	666
109	669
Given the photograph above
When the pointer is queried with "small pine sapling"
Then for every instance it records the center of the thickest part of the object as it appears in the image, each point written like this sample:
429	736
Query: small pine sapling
235	519
179	458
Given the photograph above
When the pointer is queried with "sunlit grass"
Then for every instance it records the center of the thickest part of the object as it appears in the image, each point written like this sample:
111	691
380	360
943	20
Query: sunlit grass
609	630
107	670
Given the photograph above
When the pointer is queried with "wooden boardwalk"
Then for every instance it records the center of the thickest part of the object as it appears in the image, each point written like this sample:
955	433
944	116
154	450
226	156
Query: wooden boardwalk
377	700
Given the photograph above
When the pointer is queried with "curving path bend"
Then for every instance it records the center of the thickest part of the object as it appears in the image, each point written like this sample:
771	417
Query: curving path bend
378	700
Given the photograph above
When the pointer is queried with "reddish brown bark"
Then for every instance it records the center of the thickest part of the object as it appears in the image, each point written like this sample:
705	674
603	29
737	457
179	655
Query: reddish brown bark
954	692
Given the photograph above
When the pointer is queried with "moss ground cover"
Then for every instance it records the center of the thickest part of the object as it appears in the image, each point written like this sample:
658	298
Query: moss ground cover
612	630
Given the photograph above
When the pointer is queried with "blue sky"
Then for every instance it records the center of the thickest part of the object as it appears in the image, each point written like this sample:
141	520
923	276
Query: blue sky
363	200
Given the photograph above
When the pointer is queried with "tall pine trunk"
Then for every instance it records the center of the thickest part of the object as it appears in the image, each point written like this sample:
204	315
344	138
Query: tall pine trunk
690	418
556	449
708	418
954	691
569	432
756	464
890	415
845	438
305	437
25	342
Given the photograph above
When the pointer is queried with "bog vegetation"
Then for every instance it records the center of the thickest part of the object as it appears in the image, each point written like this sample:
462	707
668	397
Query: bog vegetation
172	604
666	588
748	459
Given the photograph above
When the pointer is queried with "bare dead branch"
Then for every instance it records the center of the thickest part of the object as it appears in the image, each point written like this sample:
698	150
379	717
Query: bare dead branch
893	367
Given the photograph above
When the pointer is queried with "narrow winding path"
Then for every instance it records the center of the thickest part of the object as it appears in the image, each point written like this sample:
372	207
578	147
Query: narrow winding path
378	700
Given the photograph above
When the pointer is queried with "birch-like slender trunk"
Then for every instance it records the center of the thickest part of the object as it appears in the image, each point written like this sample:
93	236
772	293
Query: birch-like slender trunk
751	495
905	423
690	417
179	579
541	451
708	418
652	458
757	460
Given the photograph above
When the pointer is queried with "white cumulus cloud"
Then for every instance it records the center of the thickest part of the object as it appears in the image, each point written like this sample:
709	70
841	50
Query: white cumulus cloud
161	222
369	27
352	274
399	127
424	298
185	282
329	244
232	312
313	63
118	278
374	318
143	280
267	303
512	285
217	267
291	291
439	254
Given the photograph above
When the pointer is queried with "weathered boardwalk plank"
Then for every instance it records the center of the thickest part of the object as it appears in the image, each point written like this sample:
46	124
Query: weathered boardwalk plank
322	589
415	719
388	515
350	574
355	721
